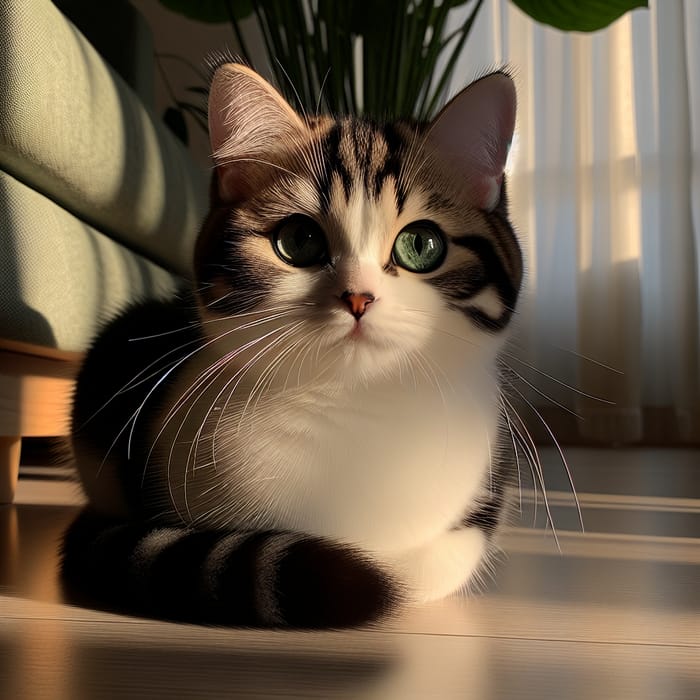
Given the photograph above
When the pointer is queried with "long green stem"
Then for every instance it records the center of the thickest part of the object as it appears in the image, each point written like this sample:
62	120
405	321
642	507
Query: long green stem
432	54
420	66
400	51
319	57
310	68
275	50
195	69
447	72
237	30
278	18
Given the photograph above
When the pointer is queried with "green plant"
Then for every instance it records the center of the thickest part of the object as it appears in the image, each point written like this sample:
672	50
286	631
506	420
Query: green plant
387	58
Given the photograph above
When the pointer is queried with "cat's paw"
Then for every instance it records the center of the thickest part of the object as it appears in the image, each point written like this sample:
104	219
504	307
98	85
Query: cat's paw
443	566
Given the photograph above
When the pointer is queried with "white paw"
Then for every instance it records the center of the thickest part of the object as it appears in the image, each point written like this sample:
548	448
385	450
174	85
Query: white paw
443	566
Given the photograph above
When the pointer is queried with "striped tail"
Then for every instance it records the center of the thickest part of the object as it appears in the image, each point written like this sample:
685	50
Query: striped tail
253	579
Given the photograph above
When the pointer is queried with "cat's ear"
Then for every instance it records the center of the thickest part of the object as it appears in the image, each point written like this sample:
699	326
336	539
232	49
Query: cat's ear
473	132
251	128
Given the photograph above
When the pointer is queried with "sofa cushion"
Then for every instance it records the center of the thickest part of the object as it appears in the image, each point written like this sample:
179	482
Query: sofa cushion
61	279
72	129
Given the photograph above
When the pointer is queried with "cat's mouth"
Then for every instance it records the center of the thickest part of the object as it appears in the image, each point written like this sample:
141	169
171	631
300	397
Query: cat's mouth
357	332
363	336
363	333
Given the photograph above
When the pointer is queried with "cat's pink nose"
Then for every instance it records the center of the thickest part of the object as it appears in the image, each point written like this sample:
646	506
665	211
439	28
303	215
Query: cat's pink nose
357	303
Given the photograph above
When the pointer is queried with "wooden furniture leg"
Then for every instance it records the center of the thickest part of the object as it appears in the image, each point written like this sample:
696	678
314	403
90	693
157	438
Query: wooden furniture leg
9	467
36	385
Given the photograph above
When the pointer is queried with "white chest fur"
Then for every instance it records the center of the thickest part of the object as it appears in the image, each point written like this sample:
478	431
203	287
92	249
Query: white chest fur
387	466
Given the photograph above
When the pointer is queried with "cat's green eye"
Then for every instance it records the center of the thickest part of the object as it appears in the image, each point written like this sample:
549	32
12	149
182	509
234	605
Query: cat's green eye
420	247
300	242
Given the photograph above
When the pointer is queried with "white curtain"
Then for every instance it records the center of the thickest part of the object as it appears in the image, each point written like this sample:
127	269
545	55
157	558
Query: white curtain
605	191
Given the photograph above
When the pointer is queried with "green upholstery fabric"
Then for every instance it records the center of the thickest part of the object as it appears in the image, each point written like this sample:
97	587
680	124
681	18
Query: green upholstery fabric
71	129
60	279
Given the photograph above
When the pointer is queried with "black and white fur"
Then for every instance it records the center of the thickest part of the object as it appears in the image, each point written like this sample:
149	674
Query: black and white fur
257	451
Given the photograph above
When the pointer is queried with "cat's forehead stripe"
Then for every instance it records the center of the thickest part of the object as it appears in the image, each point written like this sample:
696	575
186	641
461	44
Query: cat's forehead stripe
392	165
359	152
333	166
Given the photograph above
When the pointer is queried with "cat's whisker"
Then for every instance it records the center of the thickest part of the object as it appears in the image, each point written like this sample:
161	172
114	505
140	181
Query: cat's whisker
530	450
302	353
438	329
555	380
432	365
300	103
134	417
319	347
592	360
221	361
219	303
302	345
173	331
248	301
138	379
443	374
205	377
262	321
516	456
523	445
240	374
251	394
490	460
260	384
561	455
127	386
538	469
427	368
405	365
518	376
284	308
320	92
133	384
301	357
275	366
197	436
268	376
310	341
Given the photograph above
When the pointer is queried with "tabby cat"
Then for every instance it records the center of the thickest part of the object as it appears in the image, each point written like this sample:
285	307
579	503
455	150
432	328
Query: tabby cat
312	433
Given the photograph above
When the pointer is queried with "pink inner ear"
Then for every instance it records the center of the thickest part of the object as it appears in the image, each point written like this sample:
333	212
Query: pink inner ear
474	131
250	127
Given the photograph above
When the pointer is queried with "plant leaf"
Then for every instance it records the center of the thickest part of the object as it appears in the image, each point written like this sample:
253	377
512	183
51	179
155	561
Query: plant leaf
210	11
192	109
578	15
175	120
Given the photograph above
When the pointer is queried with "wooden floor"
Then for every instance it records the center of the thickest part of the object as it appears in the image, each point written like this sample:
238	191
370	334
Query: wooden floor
614	616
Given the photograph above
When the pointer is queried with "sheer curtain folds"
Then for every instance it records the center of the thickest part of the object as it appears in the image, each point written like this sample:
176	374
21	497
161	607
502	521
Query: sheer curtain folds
605	191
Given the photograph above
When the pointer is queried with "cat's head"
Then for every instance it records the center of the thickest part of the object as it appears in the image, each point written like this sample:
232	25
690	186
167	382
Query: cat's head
354	247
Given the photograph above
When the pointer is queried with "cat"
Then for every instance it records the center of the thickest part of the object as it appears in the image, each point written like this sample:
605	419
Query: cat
311	434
